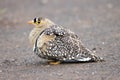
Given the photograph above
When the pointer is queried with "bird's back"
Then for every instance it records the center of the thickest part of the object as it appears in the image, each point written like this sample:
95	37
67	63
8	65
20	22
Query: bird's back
57	43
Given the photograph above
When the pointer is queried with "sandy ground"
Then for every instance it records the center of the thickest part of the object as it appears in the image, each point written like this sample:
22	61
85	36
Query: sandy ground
97	22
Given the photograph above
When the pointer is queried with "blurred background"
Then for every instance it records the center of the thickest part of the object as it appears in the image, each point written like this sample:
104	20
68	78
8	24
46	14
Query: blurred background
96	22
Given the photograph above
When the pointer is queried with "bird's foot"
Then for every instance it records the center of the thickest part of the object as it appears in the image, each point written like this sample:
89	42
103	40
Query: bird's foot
54	62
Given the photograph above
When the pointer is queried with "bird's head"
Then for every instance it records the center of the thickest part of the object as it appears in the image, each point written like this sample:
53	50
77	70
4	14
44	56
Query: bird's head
41	22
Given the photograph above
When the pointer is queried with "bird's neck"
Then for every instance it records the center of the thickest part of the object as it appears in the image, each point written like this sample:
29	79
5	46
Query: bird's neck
34	34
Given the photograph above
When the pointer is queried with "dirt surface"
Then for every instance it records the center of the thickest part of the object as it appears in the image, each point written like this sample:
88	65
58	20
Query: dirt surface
97	22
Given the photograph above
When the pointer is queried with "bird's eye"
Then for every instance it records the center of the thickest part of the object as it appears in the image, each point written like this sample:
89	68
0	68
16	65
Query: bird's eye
37	20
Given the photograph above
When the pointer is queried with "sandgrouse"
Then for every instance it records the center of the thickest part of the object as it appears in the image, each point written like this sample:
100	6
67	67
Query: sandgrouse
56	44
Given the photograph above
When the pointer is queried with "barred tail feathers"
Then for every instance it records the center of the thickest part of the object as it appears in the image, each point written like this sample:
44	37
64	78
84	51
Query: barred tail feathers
96	58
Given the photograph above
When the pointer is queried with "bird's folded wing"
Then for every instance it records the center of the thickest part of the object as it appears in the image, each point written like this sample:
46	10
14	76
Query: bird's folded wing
60	31
51	33
55	30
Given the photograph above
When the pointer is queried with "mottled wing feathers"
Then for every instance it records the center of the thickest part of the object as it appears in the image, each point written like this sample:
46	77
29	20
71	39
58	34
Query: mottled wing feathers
56	43
56	30
60	31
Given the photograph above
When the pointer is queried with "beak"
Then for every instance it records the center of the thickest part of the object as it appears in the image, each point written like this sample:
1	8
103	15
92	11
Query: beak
30	22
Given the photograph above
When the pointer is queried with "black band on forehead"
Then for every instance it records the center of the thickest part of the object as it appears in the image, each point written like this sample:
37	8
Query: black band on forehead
34	20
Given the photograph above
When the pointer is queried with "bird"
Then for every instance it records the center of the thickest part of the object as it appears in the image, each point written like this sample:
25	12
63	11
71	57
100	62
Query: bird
57	44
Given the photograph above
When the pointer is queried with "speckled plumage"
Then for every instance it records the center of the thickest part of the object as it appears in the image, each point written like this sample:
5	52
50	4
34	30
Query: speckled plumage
59	44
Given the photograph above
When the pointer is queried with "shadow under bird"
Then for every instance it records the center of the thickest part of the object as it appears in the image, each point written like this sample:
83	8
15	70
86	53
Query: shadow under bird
57	44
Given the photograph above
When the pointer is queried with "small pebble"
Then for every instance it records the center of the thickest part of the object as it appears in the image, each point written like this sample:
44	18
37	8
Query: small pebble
1	71
94	49
13	60
47	66
44	1
93	73
103	42
110	5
